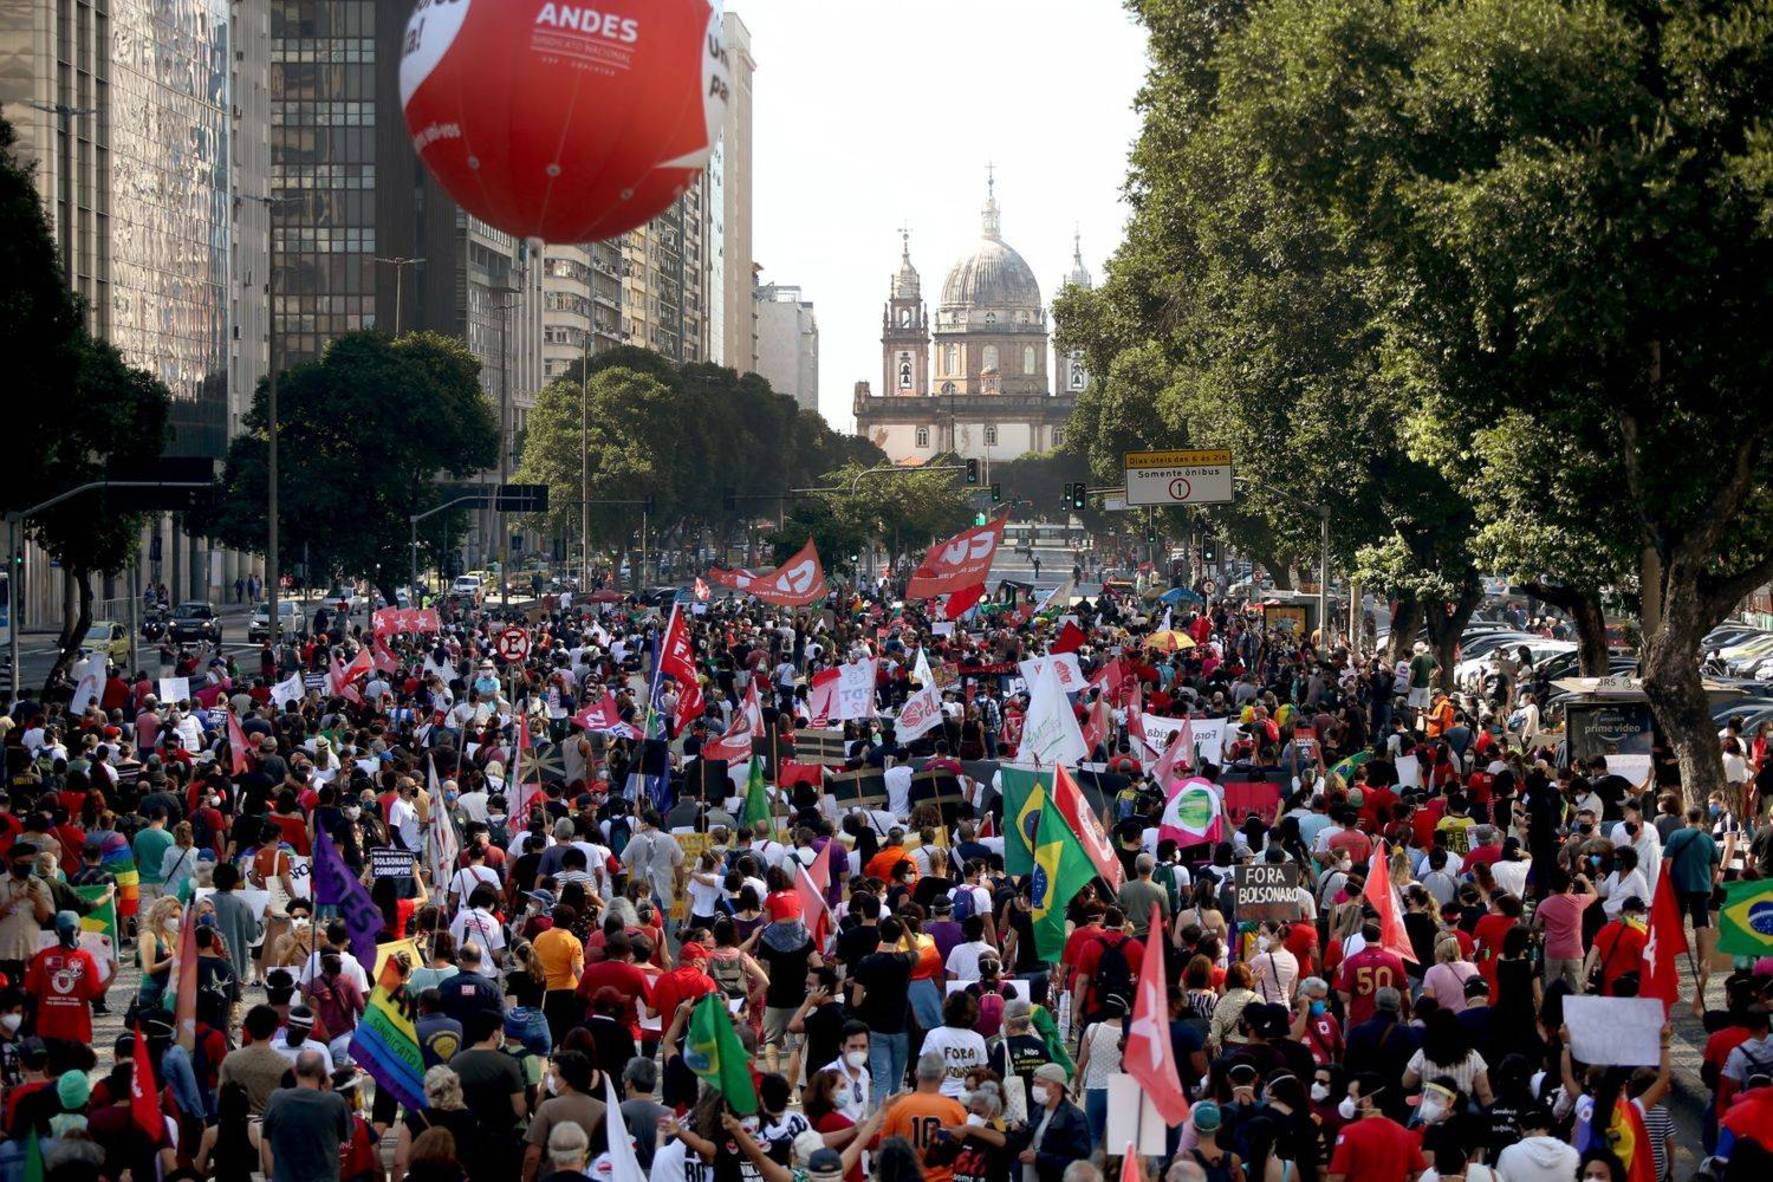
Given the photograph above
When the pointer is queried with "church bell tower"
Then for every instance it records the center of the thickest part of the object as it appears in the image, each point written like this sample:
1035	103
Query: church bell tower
905	333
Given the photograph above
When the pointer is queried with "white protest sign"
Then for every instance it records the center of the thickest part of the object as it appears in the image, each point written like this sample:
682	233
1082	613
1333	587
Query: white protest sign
1615	1031
855	691
1125	1118
290	689
301	876
1071	678
175	689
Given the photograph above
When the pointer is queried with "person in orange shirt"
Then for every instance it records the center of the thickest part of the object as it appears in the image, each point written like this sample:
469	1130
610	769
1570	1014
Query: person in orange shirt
923	1117
1440	716
891	854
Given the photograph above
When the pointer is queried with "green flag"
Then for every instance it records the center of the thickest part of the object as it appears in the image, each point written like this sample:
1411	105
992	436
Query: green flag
1061	869
33	1158
1745	921
1024	795
713	1051
757	797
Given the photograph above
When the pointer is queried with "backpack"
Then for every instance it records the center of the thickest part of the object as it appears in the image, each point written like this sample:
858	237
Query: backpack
1113	973
621	828
499	834
990	1010
966	903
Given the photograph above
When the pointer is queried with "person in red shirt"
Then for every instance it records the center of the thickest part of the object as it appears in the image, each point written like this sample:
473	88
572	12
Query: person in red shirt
1618	947
64	981
618	971
1301	941
1372	1147
1486	848
1114	934
1376	805
1361	976
1505	912
687	982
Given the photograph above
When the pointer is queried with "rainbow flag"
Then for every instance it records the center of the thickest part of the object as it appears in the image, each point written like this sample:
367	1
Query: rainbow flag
386	1043
119	860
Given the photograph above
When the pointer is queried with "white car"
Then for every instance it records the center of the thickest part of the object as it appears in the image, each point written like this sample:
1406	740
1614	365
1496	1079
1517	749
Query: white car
1469	674
467	587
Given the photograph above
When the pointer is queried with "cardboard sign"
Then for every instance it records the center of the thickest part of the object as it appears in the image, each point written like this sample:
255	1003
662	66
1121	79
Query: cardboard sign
1126	1118
865	787
1615	1031
174	690
390	862
1265	891
819	746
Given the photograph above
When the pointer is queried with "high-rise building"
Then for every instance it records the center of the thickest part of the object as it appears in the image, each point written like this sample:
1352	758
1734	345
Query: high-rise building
733	332
788	343
125	106
666	275
581	303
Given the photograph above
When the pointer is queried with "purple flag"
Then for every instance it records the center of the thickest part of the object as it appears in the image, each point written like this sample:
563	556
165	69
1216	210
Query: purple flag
335	884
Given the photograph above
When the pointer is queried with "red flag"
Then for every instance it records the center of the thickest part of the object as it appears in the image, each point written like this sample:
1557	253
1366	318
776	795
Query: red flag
752	708
821	696
237	744
735	745
383	656
702	591
1382	896
144	1091
988	827
1088	827
1110	678
520	800
957	564
1149	1057
796	583
1660	975
1129	1162
1070	639
811	883
677	660
960	601
1098	724
185	1007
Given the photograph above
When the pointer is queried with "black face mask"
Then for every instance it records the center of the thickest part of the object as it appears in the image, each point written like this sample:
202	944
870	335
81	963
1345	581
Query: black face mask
21	870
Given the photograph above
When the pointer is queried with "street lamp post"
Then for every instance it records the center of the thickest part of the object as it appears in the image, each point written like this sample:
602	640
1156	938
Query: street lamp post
400	264
272	575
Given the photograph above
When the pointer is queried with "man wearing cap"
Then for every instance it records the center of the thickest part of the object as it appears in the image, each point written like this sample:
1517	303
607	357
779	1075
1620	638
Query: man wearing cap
1372	1147
1384	1043
1538	1156
687	982
294	1038
1061	1131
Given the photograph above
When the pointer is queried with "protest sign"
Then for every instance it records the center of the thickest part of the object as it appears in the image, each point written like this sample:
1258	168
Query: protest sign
1266	891
175	689
1125	1118
390	862
1615	1031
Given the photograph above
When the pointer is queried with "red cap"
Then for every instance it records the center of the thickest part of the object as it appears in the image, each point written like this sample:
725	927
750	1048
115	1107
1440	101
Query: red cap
692	951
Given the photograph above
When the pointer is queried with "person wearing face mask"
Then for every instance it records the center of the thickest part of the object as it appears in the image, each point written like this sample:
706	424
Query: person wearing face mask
25	906
64	981
1061	1132
1371	1146
983	1138
571	1099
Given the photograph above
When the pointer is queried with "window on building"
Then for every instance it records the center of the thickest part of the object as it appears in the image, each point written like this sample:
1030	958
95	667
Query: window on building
1077	375
904	371
991	318
1058	437
904	317
991	435
951	359
990	357
1027	358
923	437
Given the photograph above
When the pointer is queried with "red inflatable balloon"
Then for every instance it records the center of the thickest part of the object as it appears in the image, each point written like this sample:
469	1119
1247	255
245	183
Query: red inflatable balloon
560	121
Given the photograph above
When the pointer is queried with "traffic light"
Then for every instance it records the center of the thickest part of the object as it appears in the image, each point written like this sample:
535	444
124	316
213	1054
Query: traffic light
1065	499
979	518
972	471
729	500
652	504
1079	494
1151	537
1209	552
996	492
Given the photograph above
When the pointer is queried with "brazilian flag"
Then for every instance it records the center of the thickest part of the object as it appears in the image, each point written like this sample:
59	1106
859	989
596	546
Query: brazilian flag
1745	921
713	1051
1061	869
1024	795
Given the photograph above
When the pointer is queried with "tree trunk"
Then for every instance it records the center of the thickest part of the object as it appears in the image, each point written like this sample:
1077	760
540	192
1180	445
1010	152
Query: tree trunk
1406	617
1445	622
1280	572
1676	692
76	618
1584	607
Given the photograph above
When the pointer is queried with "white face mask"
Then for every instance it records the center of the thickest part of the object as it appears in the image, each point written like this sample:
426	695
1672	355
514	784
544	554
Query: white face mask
1040	1094
553	1084
1432	1111
1262	943
1347	1109
856	1059
975	1120
11	1022
1320	1092
352	812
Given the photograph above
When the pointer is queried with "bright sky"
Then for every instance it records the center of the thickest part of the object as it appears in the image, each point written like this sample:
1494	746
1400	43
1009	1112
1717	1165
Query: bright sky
870	116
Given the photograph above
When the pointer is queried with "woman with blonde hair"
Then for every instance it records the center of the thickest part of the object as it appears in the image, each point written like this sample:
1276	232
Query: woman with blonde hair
156	948
444	1111
1446	977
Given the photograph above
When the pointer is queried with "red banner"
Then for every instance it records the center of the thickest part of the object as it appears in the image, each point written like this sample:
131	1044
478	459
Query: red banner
677	660
602	716
1251	798
962	561
796	583
390	620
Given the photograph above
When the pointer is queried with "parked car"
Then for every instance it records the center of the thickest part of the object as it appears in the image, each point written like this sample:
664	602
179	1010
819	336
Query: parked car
469	587
194	620
1469	674
290	620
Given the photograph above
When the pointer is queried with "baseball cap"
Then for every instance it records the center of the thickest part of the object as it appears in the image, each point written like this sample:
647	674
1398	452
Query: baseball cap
1051	1073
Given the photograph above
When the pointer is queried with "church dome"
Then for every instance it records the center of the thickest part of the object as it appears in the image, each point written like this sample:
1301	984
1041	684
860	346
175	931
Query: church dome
995	276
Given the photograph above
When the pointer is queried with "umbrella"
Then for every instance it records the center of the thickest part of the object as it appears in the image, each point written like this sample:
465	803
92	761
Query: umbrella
1169	641
1177	595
